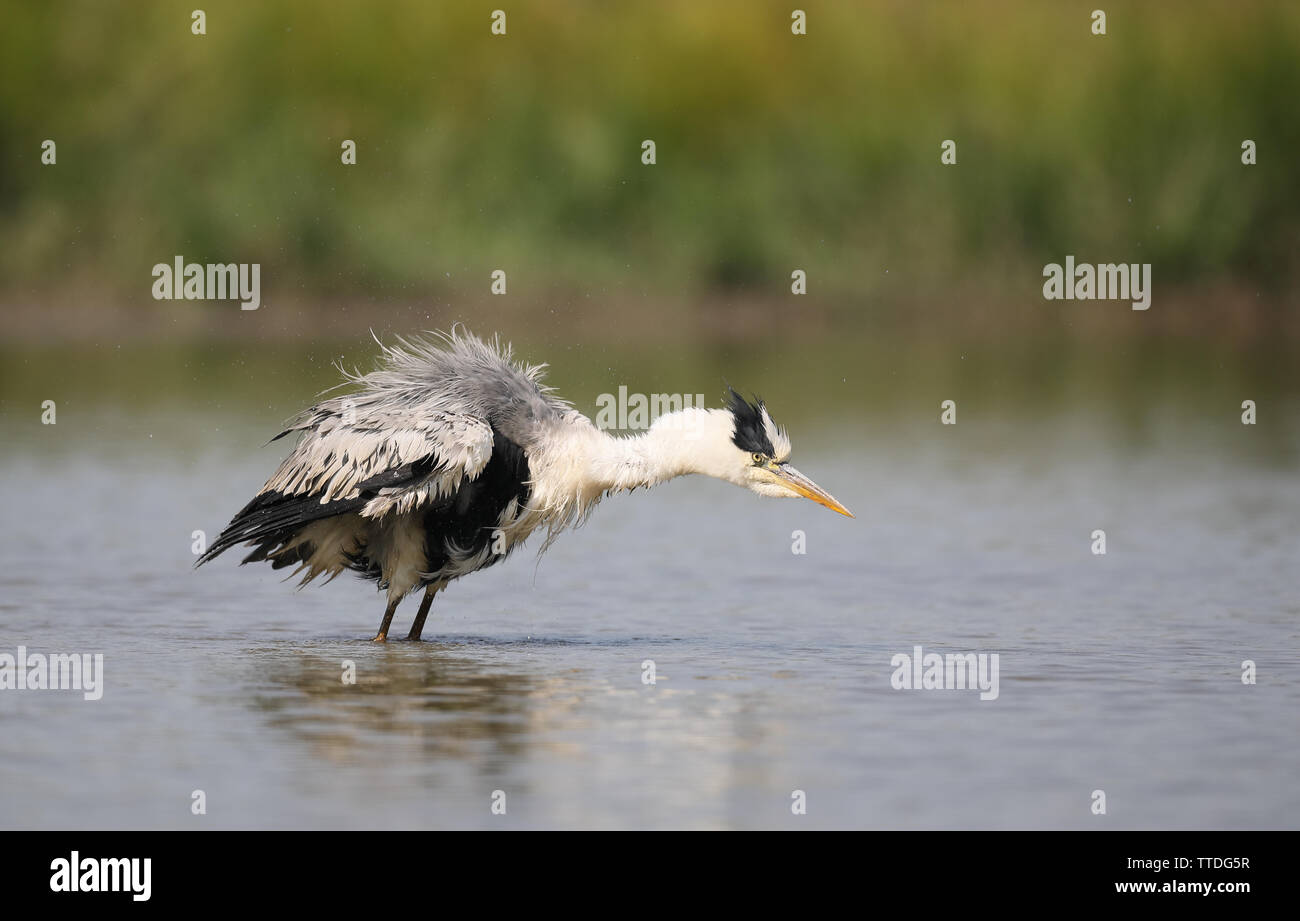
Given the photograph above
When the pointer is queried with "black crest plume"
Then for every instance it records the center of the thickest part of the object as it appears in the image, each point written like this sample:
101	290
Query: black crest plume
750	434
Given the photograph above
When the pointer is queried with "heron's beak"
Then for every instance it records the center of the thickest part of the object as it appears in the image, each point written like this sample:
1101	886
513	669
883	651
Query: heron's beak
793	479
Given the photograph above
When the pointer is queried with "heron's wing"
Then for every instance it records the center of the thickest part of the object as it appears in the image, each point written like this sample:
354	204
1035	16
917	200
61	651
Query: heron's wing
417	457
360	459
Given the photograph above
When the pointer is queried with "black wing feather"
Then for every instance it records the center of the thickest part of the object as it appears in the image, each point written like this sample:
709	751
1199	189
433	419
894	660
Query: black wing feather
272	518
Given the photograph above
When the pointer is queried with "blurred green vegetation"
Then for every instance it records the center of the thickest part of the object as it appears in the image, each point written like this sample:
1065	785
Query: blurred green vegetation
840	395
522	151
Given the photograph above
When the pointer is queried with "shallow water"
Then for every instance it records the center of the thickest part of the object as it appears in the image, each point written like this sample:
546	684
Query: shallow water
1119	673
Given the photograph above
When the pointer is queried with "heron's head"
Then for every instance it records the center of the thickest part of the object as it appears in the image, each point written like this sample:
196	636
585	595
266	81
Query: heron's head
757	454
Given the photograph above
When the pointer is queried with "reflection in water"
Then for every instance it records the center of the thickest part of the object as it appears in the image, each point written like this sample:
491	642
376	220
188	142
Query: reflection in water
447	705
457	719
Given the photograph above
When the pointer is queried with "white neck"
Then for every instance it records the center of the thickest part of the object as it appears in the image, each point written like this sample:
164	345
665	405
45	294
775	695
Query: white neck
688	441
575	464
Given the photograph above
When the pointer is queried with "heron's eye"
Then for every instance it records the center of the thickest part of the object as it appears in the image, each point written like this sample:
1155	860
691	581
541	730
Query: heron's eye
758	459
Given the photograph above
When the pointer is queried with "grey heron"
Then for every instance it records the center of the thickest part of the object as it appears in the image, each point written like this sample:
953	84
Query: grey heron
450	453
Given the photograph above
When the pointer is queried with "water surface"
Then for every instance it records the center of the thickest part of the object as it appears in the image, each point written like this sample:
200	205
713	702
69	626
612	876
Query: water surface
1118	673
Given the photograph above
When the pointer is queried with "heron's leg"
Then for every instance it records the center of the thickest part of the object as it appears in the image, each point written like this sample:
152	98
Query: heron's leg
417	625
382	635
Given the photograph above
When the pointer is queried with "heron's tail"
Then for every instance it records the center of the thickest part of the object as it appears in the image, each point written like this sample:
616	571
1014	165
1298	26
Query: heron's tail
272	520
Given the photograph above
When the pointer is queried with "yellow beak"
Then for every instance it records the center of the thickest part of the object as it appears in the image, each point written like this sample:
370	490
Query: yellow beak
793	479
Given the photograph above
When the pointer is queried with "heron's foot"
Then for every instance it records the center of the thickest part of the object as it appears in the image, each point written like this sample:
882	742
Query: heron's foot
380	638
